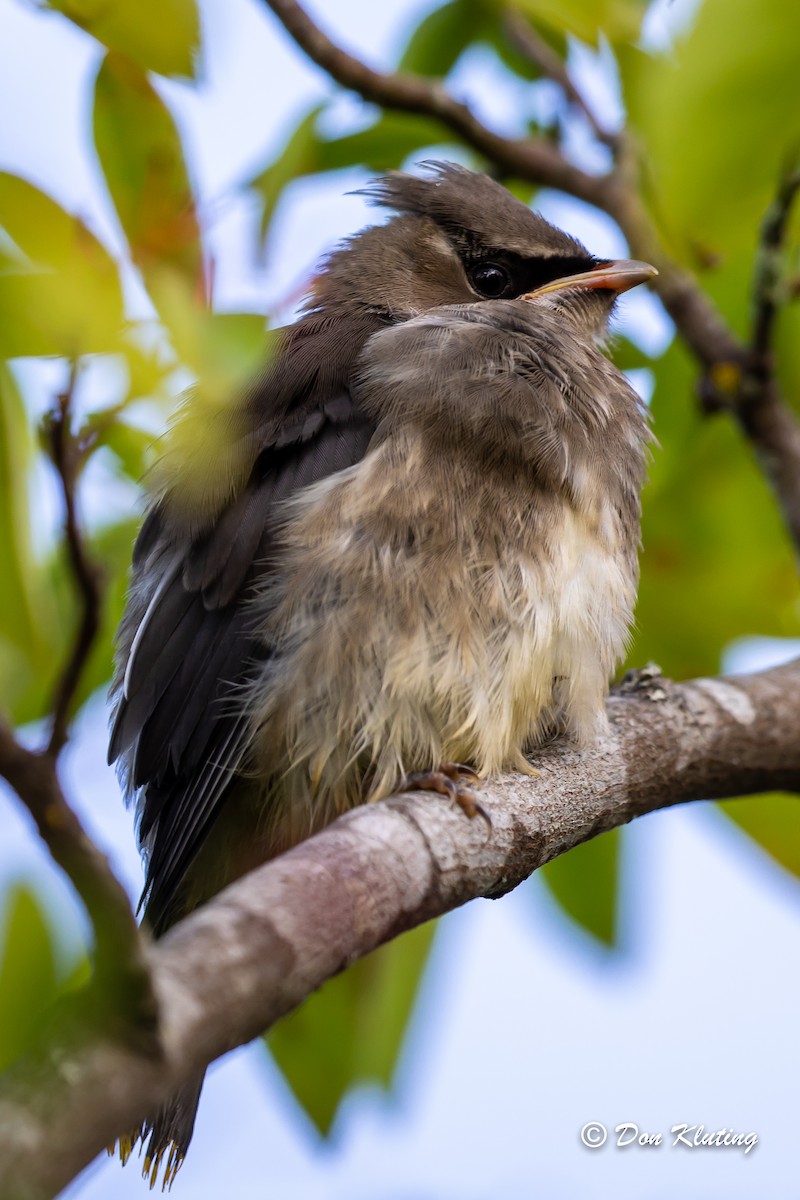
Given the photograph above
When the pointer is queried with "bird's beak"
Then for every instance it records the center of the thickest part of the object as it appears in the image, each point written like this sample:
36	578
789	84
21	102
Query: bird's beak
611	276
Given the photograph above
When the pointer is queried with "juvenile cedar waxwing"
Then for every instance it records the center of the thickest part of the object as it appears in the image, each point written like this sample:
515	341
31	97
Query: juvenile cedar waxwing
414	546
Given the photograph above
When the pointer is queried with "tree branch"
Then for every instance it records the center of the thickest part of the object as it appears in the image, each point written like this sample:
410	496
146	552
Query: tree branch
765	419
532	46
120	969
247	958
530	158
121	983
767	422
65	457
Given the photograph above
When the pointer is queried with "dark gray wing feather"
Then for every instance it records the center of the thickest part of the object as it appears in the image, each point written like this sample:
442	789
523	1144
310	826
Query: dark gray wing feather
178	733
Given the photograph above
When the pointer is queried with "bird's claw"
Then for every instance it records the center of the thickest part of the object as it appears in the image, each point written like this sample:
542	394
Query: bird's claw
449	779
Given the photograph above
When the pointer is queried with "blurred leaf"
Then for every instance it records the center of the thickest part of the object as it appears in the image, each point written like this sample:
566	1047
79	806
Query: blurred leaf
773	821
131	446
351	1031
717	121
299	157
168	42
28	979
385	145
626	354
222	349
18	617
442	36
149	369
382	146
716	563
584	882
619	20
142	159
27	686
63	296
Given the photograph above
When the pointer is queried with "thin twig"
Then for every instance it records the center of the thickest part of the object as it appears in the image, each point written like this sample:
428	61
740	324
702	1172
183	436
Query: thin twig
769	261
66	459
758	405
533	47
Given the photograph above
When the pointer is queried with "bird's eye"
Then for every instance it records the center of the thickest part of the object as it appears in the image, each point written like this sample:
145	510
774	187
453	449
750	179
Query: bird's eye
491	280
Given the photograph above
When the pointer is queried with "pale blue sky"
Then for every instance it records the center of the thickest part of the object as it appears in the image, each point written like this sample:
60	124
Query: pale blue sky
524	1030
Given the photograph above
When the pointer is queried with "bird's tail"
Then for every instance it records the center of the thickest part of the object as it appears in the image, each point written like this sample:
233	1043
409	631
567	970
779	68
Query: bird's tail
166	1135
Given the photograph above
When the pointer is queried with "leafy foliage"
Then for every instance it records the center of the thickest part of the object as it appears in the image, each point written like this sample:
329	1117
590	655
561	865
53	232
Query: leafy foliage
351	1031
33	973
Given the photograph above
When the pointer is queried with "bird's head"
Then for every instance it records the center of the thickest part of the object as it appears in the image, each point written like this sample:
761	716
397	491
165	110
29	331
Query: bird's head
461	238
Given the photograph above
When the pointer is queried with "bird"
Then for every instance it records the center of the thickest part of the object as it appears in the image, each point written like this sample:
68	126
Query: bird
404	556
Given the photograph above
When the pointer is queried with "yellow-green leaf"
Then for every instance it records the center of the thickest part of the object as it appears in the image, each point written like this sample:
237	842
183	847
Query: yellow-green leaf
717	120
20	623
166	41
618	20
142	158
300	156
62	294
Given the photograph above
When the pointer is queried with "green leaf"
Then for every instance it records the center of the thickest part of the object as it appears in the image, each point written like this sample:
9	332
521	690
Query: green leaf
28	976
142	159
773	822
619	20
442	36
385	145
222	349
716	563
717	123
131	445
626	355
18	611
62	295
584	882
300	156
168	42
351	1031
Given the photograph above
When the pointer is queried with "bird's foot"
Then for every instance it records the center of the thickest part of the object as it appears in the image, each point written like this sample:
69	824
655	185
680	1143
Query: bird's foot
449	779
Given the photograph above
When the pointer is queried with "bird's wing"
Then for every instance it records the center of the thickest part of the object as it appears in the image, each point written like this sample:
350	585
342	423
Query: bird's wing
187	644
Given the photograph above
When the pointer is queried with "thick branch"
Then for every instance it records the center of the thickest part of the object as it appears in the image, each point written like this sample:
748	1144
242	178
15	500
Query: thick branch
254	953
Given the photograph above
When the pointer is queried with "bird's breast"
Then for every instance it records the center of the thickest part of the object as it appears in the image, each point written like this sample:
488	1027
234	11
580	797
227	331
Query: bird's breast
433	615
